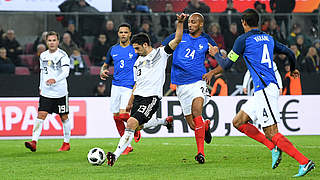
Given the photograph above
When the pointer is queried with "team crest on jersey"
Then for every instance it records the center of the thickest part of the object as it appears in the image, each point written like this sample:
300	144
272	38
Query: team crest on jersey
49	63
130	55
200	46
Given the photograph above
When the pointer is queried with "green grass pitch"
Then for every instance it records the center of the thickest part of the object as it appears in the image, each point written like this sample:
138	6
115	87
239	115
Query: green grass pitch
154	158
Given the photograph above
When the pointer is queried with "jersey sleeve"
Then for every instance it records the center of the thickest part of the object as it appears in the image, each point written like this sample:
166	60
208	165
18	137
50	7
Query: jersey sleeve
65	61
237	50
109	57
41	63
280	48
168	39
135	68
246	79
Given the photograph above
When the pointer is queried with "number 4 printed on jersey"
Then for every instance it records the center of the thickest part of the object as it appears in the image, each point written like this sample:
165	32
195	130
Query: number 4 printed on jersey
266	56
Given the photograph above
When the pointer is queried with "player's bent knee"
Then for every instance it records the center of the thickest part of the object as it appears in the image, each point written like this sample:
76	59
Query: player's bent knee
235	123
270	131
132	123
240	119
42	115
64	117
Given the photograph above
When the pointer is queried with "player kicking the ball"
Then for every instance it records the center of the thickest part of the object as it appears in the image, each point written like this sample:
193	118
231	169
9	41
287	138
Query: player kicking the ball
257	49
149	74
54	65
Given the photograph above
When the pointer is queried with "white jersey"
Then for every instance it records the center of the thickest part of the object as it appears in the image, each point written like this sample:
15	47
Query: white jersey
149	73
54	66
247	79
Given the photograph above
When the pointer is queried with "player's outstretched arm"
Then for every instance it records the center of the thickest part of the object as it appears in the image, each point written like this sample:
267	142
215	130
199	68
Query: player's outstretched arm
179	31
292	58
208	76
104	71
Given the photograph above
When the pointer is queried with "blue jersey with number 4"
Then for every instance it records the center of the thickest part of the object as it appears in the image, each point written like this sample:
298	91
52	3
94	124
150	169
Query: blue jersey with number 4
123	59
188	58
257	48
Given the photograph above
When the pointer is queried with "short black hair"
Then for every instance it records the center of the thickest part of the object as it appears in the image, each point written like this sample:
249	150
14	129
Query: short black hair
251	16
124	25
140	39
53	33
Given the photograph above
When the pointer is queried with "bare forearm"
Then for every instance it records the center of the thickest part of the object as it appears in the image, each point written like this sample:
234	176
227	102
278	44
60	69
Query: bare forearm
217	70
104	67
179	31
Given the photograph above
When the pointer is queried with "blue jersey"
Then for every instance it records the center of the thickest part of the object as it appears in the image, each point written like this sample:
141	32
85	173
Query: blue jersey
257	49
188	58
123	59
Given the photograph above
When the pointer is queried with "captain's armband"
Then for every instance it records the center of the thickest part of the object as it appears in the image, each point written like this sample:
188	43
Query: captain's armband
233	56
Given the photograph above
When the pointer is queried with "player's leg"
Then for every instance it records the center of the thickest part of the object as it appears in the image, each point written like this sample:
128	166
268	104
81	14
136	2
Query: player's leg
45	105
154	122
62	108
305	165
277	138
114	108
142	111
66	132
125	94
241	122
199	130
125	140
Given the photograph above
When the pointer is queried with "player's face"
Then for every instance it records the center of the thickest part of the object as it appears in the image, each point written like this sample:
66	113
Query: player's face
194	24
52	42
124	34
140	49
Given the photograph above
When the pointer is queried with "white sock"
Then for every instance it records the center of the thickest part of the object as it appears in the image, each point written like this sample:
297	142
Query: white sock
66	130
125	140
154	122
37	129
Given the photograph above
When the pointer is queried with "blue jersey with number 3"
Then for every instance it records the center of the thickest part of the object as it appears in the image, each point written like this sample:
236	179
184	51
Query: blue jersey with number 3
256	47
188	58
123	59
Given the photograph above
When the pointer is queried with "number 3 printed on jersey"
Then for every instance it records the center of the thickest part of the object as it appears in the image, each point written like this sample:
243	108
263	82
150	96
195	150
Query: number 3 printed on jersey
190	53
266	56
121	63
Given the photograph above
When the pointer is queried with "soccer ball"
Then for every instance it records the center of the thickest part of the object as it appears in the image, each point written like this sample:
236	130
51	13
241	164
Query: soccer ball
96	156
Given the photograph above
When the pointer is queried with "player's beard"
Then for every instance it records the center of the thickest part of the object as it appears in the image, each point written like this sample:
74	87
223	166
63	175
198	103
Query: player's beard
124	41
195	31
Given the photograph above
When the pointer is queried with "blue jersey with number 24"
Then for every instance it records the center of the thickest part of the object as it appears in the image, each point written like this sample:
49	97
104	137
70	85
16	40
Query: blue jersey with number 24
188	58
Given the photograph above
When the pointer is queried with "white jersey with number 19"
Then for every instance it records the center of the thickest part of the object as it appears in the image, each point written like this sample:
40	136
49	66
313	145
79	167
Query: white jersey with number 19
51	66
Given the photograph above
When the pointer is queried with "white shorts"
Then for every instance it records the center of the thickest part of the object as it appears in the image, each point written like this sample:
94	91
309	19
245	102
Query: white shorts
187	92
120	97
263	108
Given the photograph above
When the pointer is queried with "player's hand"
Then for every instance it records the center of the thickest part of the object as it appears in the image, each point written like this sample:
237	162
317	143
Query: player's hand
224	53
129	107
213	50
208	76
245	91
182	17
49	82
295	74
104	74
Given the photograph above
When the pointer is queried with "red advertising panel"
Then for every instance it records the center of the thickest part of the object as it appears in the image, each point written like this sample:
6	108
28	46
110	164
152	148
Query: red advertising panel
16	119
